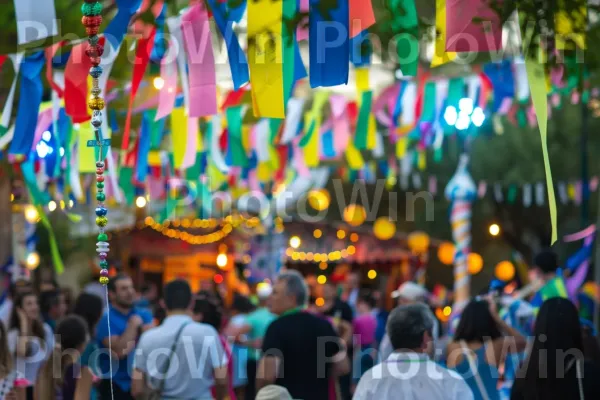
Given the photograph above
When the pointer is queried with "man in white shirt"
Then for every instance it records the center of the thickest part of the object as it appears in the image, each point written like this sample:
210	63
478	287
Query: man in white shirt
198	362
408	373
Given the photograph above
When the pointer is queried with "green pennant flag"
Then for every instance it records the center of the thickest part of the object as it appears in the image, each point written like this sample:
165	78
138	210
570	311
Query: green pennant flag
234	125
428	113
406	25
362	124
126	184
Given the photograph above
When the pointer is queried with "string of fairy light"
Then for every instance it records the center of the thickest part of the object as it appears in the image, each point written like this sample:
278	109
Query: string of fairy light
170	228
322	257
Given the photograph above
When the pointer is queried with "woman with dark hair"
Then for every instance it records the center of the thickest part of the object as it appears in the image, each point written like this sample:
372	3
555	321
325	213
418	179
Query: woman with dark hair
89	307
477	348
29	338
555	368
70	382
207	310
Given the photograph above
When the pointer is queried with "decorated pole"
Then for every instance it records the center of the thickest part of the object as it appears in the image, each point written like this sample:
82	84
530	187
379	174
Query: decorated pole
461	192
92	19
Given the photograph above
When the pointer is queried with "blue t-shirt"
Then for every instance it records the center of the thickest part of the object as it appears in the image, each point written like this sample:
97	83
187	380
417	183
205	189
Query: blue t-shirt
118	323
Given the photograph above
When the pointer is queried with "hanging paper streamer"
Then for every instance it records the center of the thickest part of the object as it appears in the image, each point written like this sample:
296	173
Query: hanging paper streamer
168	94
440	55
362	125
407	43
265	57
8	106
174	24
42	12
461	192
179	131
361	16
536	75
236	147
292	120
29	104
215	154
329	45
142	54
341	125
201	61
472	26
238	64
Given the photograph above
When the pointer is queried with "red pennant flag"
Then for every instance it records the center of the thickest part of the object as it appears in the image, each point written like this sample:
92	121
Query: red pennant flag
142	58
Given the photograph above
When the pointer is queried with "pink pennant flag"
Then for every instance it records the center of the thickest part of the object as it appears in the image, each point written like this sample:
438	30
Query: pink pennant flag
433	185
341	125
253	181
578	190
168	93
575	97
482	189
505	106
594	184
156	187
472	26
302	29
201	61
361	16
298	161
43	124
191	147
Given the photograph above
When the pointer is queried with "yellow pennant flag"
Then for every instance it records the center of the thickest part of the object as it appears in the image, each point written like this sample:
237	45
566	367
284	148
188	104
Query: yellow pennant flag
422	160
354	157
567	24
178	135
311	150
401	145
536	75
154	158
362	79
440	55
371	133
246	138
87	156
265	58
263	171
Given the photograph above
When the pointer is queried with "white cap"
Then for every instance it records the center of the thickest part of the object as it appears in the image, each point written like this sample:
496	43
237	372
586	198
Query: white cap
273	392
264	290
410	291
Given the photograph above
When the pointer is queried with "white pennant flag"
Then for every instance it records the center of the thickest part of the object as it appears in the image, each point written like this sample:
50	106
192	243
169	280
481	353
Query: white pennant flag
540	189
498	195
527	192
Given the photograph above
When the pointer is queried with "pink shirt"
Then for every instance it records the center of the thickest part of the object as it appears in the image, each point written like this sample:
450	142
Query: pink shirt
365	326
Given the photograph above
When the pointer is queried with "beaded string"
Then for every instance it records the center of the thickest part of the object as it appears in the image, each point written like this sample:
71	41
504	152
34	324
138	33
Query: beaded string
91	10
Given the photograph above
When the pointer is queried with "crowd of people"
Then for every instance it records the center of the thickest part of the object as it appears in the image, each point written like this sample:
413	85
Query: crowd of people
281	343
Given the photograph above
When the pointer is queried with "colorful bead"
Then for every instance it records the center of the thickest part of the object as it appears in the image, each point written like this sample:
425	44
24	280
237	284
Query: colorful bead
100	197
96	91
101	221
103	237
96	103
95	72
104	272
102	256
99	178
94	51
90	21
99	171
101	212
90	9
99	164
103	264
91	30
94	39
100	185
95	61
104	280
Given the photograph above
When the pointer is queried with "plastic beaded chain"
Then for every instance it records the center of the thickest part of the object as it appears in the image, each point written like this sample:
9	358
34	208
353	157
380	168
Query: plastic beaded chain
91	10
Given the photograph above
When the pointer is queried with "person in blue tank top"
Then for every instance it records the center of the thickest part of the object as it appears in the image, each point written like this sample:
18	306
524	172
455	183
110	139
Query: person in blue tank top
480	344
